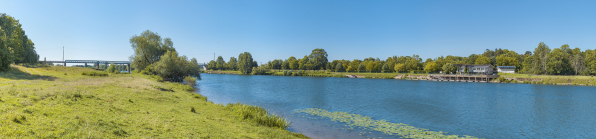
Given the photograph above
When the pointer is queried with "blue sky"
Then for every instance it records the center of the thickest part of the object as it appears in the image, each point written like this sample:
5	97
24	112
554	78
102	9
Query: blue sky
100	30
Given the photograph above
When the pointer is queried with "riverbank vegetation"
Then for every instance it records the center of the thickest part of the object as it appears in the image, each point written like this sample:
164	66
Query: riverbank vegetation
365	122
15	46
60	102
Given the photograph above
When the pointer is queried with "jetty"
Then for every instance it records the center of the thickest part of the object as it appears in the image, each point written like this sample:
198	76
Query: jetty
462	77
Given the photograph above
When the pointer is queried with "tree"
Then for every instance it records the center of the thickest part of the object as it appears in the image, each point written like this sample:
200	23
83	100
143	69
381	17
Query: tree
400	67
371	66
542	53
339	67
15	45
577	61
318	58
232	63
220	63
293	63
558	62
285	65
245	63
112	68
149	47
482	60
360	67
431	67
385	68
176	68
590	61
448	68
504	60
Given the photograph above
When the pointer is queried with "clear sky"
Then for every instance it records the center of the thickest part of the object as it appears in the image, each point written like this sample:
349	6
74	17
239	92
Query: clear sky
277	29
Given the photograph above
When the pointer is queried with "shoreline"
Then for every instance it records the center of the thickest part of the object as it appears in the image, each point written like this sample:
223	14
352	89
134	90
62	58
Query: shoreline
506	78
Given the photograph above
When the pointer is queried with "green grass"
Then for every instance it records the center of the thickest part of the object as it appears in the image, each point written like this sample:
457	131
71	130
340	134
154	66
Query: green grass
552	79
356	120
60	102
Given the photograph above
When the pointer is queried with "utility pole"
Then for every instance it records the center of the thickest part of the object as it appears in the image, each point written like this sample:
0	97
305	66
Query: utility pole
62	53
213	56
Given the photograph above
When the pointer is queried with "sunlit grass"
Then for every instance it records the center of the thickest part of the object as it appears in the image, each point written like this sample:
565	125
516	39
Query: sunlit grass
356	120
60	102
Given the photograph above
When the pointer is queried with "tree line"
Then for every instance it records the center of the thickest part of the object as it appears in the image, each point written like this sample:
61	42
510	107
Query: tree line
15	46
543	60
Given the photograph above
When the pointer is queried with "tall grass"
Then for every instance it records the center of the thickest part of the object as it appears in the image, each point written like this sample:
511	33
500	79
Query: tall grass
405	130
258	115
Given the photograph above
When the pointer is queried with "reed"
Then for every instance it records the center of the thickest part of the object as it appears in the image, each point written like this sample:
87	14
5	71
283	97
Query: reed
405	130
258	115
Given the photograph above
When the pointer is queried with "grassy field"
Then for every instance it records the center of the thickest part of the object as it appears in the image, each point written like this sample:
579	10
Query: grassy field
60	102
552	79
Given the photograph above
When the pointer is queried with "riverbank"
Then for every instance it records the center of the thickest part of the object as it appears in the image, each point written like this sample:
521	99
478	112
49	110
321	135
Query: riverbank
506	77
60	102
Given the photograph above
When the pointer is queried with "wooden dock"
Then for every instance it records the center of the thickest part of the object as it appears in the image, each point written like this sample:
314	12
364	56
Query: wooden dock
462	77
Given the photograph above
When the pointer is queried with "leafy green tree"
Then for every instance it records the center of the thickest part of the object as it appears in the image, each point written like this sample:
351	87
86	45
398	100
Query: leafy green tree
400	67
232	63
482	60
220	63
590	61
112	68
385	68
293	63
371	66
285	65
431	67
558	62
176	68
318	58
339	67
504	60
212	65
303	61
328	68
360	67
542	53
15	46
149	47
449	68
245	63
577	61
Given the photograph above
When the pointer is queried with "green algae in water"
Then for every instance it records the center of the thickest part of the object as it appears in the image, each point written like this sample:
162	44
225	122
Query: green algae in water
405	130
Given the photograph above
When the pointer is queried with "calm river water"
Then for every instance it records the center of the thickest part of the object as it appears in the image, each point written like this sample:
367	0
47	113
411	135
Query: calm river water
486	110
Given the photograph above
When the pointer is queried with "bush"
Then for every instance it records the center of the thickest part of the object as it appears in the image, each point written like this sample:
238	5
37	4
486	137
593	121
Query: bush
136	71
261	70
257	115
174	67
94	73
189	80
112	68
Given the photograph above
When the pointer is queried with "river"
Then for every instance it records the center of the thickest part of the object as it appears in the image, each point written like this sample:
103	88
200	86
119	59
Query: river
485	110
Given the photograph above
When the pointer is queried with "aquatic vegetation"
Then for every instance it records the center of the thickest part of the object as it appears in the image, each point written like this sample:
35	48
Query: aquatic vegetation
258	115
356	120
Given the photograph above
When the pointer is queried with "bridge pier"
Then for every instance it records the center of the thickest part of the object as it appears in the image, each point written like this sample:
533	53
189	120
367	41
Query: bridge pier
65	64
128	68
85	65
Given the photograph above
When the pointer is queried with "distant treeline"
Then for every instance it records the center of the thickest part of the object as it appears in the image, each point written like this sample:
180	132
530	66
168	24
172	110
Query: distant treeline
15	46
543	60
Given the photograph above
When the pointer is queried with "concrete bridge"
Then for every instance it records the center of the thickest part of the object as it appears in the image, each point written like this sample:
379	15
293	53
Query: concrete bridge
95	62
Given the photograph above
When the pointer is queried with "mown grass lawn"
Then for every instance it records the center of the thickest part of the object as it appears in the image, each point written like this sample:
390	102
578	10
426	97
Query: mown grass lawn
59	102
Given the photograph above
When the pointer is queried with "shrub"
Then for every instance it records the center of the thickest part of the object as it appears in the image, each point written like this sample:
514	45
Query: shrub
112	68
174	67
94	73
257	115
189	80
136	71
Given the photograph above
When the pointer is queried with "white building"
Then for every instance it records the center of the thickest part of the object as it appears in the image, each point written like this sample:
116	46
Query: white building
506	69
